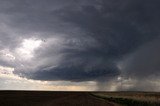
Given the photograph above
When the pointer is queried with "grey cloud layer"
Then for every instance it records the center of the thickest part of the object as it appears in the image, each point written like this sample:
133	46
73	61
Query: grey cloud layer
145	61
93	36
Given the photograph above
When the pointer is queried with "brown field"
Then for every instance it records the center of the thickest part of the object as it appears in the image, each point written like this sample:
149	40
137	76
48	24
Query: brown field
46	98
131	98
143	96
49	98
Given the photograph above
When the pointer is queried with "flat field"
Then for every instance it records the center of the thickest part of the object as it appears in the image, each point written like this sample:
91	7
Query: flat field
50	98
131	98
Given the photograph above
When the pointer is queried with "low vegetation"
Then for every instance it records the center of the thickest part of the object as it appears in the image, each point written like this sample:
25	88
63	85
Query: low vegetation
131	98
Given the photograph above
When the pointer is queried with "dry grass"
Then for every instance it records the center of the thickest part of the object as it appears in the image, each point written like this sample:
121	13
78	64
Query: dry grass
142	98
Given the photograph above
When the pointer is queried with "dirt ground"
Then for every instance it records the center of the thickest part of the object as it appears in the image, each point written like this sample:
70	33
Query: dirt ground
23	98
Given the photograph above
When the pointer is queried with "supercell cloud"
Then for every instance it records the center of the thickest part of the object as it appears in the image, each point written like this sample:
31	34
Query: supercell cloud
82	40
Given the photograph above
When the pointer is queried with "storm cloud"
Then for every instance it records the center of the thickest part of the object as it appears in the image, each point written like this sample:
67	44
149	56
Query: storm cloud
80	40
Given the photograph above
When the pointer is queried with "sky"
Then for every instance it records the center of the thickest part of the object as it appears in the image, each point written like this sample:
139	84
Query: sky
80	45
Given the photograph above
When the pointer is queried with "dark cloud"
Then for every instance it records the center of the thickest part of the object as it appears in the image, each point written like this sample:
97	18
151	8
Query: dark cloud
73	74
92	36
145	61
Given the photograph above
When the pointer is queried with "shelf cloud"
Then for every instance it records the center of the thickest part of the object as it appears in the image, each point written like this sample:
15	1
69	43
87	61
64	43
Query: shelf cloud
81	40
